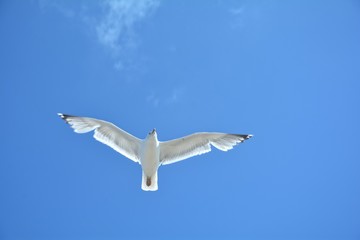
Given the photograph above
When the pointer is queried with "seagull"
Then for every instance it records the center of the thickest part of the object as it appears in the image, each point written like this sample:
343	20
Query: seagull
151	153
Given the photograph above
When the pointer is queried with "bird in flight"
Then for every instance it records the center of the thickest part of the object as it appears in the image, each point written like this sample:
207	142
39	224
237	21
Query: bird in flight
151	153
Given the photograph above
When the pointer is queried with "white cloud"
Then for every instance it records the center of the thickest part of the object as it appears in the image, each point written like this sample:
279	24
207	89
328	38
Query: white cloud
112	22
116	29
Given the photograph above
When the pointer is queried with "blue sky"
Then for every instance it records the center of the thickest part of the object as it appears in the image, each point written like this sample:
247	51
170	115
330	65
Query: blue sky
287	72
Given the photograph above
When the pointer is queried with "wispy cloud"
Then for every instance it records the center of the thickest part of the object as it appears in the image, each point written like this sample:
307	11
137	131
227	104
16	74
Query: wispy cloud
113	22
116	29
236	11
175	96
153	99
172	97
237	14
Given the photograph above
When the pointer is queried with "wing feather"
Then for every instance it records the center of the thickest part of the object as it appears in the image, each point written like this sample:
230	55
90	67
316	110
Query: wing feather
107	133
196	144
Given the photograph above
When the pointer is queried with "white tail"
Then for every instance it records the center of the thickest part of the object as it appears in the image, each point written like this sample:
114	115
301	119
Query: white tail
149	183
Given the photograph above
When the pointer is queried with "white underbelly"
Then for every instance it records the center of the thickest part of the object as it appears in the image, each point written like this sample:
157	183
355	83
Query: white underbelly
150	159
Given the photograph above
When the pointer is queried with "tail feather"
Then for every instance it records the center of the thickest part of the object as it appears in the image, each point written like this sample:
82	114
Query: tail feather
149	183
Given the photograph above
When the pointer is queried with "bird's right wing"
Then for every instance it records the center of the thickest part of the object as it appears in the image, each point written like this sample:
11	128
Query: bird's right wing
196	144
107	133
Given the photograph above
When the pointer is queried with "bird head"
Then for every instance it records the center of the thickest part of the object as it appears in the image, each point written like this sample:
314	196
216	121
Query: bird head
153	132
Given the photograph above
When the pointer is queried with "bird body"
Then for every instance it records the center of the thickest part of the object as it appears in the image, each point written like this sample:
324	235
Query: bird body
150	153
150	162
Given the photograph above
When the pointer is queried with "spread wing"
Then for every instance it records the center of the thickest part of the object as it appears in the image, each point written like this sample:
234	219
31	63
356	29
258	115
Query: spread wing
196	144
107	133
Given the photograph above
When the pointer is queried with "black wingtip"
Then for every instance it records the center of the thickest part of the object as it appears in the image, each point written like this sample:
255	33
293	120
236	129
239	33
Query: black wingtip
248	136
244	136
64	116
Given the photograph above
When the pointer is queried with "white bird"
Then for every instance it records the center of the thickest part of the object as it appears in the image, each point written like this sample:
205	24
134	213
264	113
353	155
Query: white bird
150	153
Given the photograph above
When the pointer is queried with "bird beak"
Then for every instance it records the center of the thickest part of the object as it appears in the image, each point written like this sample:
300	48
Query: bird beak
152	132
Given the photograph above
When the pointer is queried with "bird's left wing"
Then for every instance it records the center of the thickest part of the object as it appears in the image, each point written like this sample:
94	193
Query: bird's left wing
107	133
196	144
